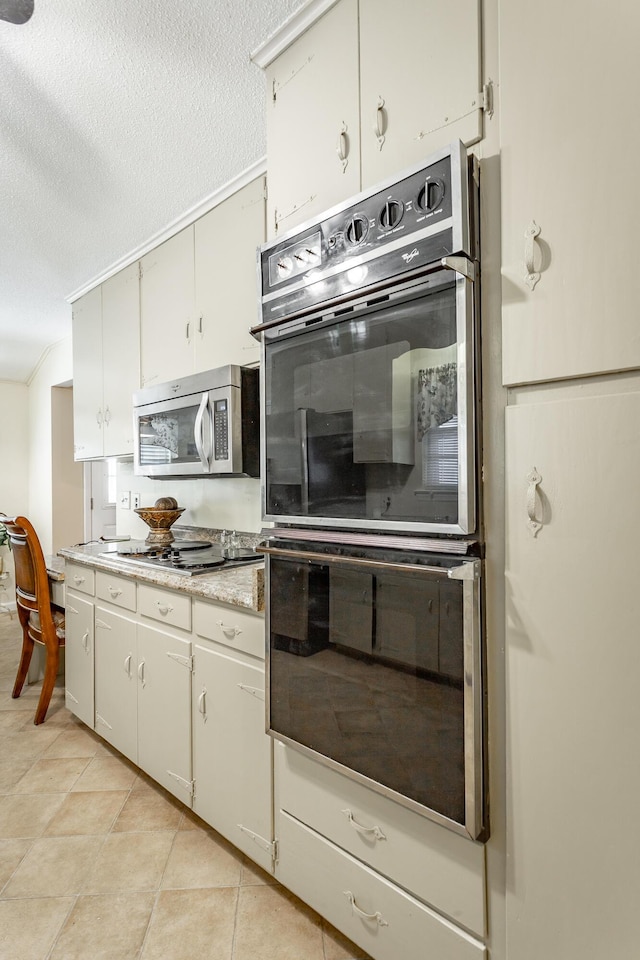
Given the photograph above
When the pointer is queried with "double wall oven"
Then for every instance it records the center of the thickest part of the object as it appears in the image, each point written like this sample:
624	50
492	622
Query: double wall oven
370	440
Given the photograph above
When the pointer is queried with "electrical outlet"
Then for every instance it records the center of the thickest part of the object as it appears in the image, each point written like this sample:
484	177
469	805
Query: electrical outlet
125	500
136	501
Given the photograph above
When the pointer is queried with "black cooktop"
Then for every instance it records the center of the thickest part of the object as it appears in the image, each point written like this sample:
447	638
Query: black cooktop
186	557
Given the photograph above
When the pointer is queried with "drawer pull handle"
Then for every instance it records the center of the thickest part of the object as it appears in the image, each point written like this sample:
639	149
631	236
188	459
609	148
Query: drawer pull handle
374	831
127	665
230	632
85	640
77	579
141	672
375	917
164	608
115	591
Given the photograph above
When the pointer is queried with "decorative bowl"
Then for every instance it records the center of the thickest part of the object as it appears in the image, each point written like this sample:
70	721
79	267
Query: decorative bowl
159	519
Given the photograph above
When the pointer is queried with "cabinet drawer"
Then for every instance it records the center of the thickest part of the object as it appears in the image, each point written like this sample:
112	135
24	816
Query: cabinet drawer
438	866
80	578
230	626
367	908
165	606
117	590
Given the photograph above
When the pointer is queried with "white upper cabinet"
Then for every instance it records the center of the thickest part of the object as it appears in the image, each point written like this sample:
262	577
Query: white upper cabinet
420	81
570	146
167	309
363	94
120	357
226	285
199	291
313	121
88	410
106	366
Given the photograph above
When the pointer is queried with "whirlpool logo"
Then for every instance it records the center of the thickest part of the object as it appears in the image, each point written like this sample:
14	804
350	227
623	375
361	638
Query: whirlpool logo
408	257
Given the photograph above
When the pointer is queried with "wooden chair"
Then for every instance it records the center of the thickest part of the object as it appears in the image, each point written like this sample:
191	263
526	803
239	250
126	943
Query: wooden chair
41	620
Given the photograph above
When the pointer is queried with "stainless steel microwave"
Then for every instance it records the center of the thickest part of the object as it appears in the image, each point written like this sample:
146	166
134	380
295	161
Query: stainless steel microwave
204	425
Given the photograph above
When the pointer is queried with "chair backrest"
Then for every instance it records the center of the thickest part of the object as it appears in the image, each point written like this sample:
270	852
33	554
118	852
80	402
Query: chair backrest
32	580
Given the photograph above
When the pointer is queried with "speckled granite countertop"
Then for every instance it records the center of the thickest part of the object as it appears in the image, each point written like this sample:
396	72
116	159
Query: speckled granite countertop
55	567
238	586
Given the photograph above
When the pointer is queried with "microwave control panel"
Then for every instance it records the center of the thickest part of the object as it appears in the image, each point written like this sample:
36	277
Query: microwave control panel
221	430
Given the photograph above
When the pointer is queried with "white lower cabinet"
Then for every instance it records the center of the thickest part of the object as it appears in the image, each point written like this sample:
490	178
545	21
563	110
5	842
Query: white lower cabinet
79	656
377	915
573	660
117	681
439	867
164	710
143	698
231	751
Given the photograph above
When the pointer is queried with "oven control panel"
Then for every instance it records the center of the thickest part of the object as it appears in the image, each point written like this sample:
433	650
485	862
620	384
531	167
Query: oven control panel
375	237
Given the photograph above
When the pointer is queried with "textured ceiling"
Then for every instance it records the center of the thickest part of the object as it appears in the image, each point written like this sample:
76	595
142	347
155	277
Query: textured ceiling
115	118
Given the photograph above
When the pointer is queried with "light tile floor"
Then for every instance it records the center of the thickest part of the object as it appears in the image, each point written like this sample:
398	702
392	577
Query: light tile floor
97	861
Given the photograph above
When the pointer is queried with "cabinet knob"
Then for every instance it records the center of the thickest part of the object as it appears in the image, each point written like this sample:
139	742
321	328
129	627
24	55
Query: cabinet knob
163	608
115	591
229	631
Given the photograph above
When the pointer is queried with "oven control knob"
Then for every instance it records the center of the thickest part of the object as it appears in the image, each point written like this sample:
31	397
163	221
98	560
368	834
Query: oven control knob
391	214
284	266
356	229
431	195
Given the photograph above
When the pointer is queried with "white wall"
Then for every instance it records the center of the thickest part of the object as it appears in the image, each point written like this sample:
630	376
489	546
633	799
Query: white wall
67	479
54	369
227	503
14	460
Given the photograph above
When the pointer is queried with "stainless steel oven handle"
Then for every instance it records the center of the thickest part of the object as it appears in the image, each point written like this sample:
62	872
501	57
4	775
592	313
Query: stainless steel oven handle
198	430
469	569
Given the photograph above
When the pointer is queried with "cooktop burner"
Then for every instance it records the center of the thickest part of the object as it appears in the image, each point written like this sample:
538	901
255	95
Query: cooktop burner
140	548
186	557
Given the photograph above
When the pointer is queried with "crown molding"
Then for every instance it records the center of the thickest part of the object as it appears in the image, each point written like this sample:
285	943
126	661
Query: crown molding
257	169
290	30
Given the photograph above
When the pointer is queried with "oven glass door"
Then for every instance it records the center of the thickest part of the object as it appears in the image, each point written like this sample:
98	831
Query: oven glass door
375	667
369	414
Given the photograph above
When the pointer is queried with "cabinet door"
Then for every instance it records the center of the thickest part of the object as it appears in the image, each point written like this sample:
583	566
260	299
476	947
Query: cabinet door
569	168
351	608
313	120
407	611
79	657
232	752
573	659
226	279
167	311
420	81
121	358
164	710
88	412
116	681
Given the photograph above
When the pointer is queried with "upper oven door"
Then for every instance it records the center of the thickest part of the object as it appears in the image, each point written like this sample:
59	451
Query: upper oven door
369	412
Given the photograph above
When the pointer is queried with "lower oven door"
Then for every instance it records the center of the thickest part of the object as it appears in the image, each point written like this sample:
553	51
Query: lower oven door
375	668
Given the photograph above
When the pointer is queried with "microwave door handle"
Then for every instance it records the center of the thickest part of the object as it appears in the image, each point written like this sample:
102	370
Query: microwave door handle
304	461
199	431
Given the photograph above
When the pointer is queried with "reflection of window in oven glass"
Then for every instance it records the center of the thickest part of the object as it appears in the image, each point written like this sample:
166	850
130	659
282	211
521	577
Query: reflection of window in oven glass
440	456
